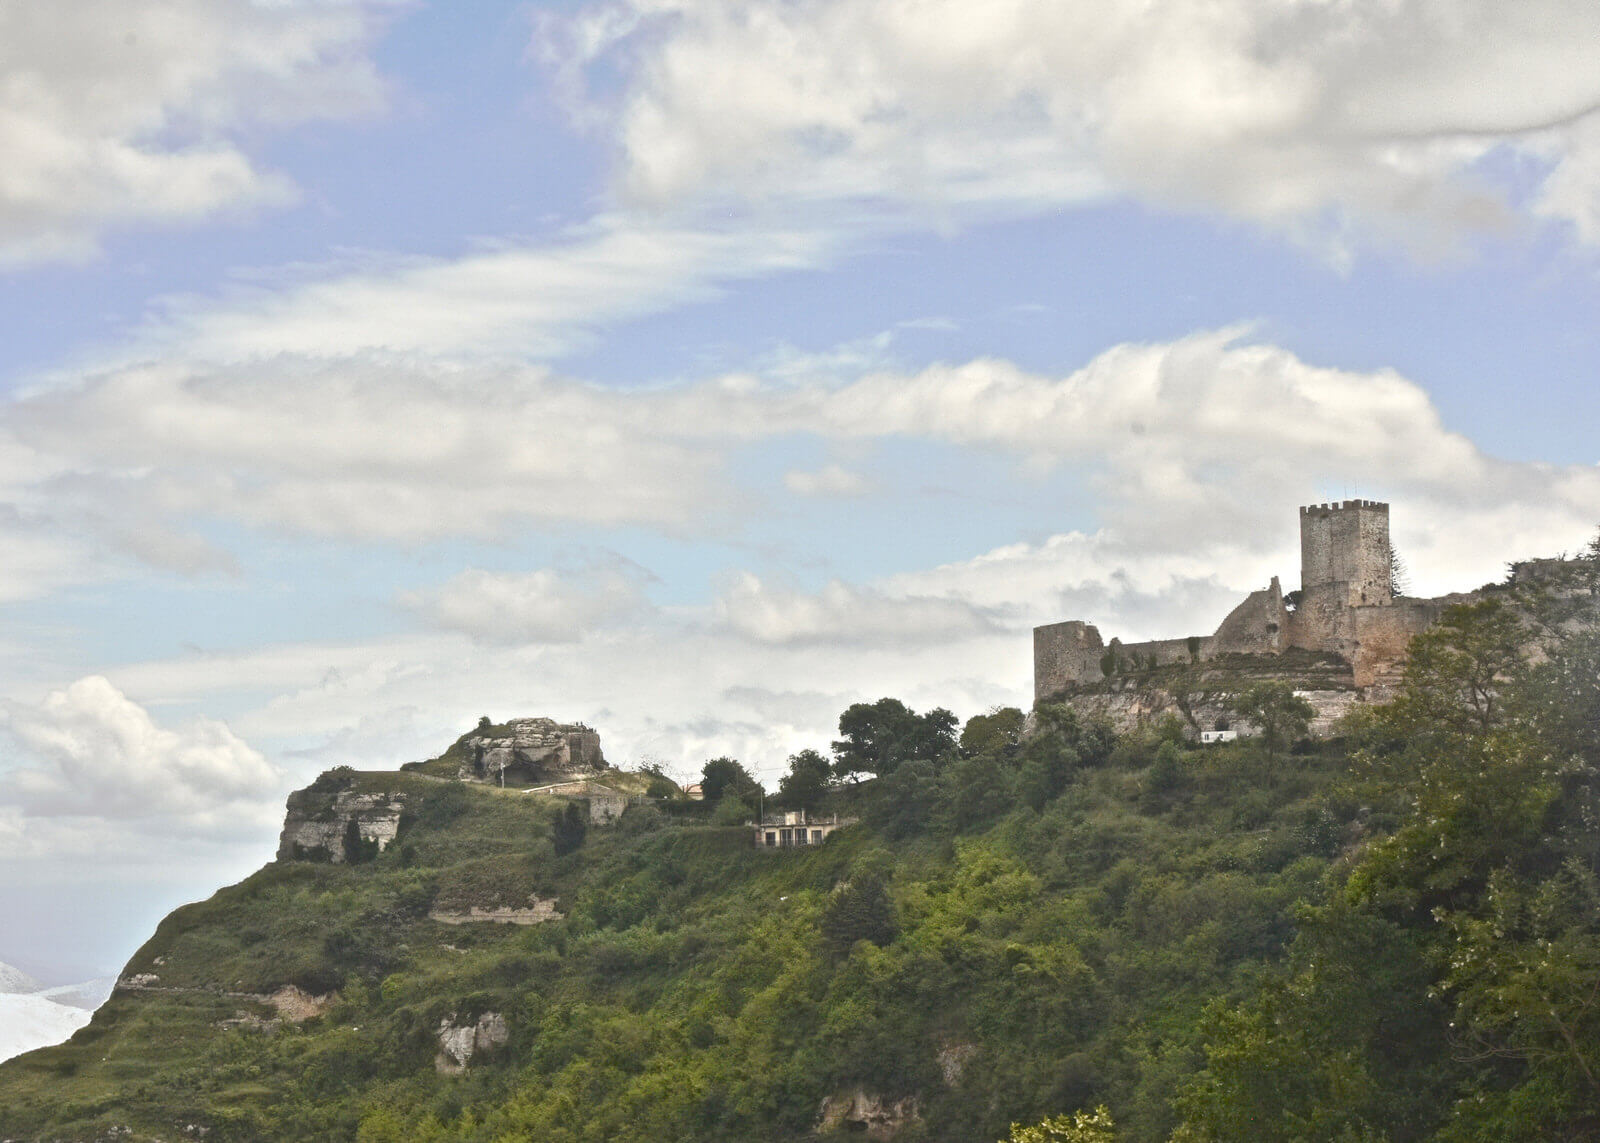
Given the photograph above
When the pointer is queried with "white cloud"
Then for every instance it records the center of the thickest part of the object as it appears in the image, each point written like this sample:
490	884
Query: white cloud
543	606
829	480
841	615
526	301
1311	118
114	113
1208	436
90	751
368	448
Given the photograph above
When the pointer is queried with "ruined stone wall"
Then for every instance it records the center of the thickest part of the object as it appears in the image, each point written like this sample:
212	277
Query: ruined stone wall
1164	651
1382	635
1065	655
1258	626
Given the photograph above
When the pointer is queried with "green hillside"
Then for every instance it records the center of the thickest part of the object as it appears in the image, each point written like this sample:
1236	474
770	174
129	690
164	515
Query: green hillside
1391	936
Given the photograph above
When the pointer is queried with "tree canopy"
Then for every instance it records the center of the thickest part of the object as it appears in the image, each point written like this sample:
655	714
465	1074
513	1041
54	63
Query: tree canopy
875	738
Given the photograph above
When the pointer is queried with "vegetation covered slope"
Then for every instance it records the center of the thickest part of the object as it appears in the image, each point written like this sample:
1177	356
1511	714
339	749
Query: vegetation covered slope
1391	937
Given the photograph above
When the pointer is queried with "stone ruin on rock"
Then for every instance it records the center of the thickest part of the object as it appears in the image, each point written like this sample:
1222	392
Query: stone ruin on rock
525	749
1340	639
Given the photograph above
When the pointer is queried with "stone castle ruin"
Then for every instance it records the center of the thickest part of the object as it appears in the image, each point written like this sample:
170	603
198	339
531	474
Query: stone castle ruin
1342	634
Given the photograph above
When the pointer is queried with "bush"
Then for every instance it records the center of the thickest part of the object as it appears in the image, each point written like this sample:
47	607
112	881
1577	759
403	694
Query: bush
568	829
731	811
859	910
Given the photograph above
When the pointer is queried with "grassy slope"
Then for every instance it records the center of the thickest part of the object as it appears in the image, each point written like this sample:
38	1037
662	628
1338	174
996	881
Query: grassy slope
688	993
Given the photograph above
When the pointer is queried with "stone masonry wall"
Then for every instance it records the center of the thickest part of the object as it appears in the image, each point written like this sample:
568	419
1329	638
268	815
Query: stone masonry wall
1346	544
1065	655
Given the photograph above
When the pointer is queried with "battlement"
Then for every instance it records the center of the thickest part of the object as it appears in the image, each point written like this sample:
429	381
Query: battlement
1344	506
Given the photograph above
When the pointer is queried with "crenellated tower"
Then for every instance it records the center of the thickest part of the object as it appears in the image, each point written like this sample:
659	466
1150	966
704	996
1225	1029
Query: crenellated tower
1344	554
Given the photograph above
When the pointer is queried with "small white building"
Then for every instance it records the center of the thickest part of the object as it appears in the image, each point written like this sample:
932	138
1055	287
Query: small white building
795	828
1207	737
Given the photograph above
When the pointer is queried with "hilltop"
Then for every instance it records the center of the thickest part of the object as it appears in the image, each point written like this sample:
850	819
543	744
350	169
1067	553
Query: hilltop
1390	933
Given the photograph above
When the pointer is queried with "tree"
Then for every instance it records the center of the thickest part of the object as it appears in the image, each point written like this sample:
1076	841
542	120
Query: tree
859	910
992	734
877	737
568	829
1079	1127
804	786
723	776
1282	716
1456	669
1399	576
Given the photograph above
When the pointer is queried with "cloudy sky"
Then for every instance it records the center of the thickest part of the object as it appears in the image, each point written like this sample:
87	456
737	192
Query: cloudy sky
695	368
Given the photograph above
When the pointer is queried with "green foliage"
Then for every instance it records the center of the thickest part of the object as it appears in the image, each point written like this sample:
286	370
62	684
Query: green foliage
994	734
1080	1127
568	827
875	738
807	782
1446	990
724	776
334	780
858	910
1282	716
1395	938
732	811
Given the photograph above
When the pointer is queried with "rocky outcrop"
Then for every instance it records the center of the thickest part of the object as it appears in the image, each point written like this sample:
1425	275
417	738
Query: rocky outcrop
338	825
952	1058
877	1117
539	910
459	1043
530	748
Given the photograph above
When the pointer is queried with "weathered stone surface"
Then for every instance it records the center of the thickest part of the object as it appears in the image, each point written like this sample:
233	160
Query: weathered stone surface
539	910
953	1058
1346	607
318	825
297	1006
857	1111
460	1043
532	748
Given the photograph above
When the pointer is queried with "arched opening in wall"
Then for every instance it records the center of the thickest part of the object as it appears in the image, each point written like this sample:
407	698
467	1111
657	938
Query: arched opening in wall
1222	724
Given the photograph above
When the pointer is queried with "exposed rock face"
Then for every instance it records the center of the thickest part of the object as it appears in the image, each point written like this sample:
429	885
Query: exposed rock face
539	910
338	826
297	1006
880	1118
459	1043
532	748
953	1058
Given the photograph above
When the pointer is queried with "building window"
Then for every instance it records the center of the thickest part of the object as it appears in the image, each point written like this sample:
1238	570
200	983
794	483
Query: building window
816	836
772	838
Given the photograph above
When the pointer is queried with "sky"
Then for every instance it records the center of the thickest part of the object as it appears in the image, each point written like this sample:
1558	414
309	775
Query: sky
696	368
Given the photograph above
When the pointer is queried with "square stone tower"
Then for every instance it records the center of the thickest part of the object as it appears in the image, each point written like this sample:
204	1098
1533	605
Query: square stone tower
1344	554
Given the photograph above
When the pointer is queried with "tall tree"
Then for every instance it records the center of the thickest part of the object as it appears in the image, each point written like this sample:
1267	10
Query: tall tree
724	776
876	737
804	786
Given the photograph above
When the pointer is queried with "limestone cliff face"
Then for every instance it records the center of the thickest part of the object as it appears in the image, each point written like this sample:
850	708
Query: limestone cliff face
532	748
338	825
